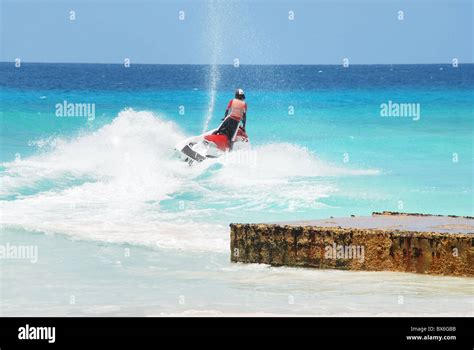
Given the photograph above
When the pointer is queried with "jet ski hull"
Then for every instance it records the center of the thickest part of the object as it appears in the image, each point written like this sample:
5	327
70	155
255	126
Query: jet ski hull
208	145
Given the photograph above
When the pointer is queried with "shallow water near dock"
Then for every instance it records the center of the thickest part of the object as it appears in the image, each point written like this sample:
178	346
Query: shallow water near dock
74	278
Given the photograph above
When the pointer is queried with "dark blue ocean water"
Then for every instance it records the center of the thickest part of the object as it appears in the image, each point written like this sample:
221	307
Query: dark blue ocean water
114	77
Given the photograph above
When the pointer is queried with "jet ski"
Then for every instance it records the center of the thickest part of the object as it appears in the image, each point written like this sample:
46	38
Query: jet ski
209	145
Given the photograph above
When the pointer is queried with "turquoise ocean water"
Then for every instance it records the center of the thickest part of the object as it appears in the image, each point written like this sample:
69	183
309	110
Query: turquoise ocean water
123	228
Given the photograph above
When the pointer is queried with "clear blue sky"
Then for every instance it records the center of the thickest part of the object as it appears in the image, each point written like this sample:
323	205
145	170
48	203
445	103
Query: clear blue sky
257	32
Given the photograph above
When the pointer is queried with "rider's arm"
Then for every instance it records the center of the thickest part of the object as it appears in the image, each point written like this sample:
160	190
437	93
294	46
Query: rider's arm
244	119
227	110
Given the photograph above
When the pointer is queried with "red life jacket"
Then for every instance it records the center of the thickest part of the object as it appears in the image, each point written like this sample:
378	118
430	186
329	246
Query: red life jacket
237	109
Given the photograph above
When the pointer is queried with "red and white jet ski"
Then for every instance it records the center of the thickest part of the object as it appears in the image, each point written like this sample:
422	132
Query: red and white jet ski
209	145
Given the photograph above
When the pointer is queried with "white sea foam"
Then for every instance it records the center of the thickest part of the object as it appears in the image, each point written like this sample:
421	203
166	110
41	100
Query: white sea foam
114	185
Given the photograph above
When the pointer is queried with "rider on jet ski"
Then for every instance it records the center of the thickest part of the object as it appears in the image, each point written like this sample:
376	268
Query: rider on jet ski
235	113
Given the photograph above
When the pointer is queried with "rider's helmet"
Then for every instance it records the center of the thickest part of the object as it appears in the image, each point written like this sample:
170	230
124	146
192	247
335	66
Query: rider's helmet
239	94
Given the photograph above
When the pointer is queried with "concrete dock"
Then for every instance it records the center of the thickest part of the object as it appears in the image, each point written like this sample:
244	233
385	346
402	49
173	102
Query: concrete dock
387	241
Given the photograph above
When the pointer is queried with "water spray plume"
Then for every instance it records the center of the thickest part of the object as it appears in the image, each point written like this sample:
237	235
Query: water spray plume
214	38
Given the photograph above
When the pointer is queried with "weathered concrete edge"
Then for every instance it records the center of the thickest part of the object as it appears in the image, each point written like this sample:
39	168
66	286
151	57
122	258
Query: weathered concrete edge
397	213
420	252
424	234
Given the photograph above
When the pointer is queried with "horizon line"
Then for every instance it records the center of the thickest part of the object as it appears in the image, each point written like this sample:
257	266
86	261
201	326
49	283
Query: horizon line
254	64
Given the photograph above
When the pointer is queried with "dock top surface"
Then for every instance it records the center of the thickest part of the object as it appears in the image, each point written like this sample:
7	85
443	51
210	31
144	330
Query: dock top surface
441	224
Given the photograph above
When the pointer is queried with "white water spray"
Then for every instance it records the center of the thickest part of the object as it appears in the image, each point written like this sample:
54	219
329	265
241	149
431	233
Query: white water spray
214	78
122	184
214	38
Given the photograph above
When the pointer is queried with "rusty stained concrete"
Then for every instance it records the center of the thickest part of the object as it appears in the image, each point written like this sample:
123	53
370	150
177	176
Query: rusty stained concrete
389	242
